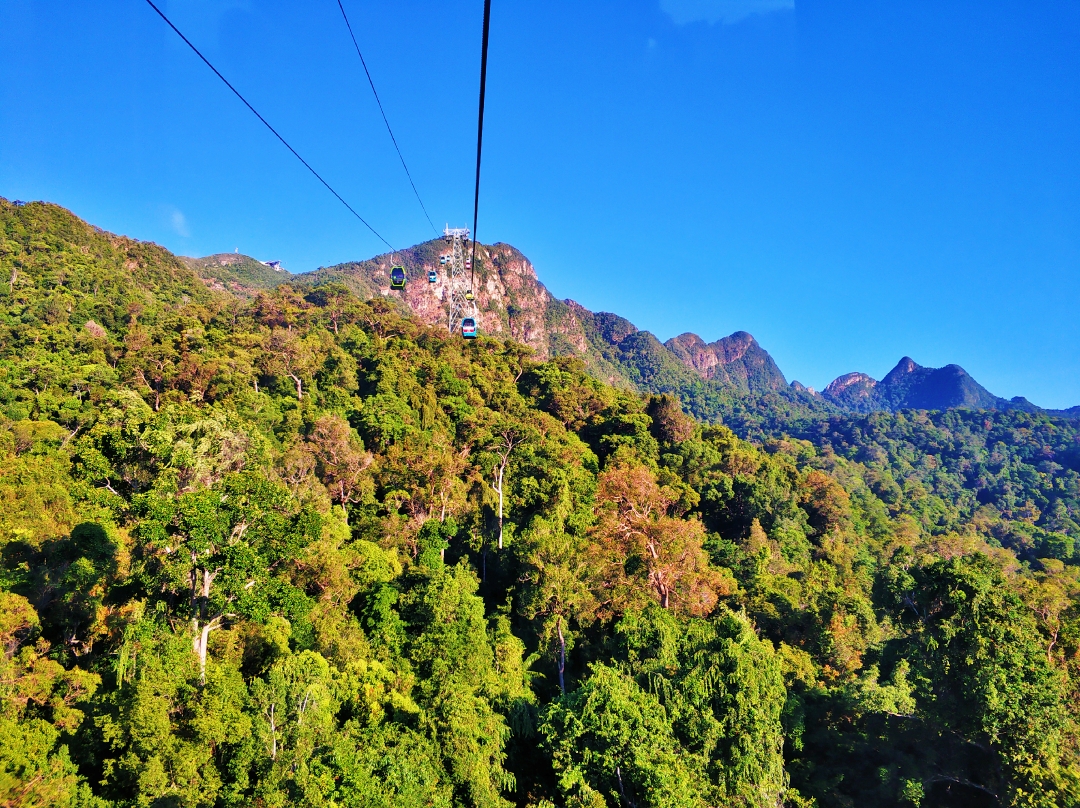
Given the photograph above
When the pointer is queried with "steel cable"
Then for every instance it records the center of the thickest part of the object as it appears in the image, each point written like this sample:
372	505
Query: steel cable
480	136
385	121
268	126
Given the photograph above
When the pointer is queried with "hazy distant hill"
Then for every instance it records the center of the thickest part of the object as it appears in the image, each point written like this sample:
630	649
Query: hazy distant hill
909	385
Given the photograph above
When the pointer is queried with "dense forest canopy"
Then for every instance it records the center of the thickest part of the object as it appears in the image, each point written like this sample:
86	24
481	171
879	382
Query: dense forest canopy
302	550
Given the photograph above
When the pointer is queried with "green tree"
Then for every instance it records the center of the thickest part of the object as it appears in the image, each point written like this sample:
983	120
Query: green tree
214	554
983	674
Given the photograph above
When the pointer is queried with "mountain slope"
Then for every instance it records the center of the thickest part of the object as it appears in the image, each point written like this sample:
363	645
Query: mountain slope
712	379
63	269
736	360
240	274
843	614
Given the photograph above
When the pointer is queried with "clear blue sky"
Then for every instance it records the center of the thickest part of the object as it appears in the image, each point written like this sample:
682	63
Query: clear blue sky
848	181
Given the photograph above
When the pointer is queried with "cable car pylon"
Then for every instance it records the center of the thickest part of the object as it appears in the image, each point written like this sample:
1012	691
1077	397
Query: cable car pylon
460	301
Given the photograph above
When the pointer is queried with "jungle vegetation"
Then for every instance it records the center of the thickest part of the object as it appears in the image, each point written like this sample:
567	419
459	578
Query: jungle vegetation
302	550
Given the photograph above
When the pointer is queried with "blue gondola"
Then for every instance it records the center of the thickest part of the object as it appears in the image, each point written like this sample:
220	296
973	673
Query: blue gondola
442	260
397	278
432	276
468	328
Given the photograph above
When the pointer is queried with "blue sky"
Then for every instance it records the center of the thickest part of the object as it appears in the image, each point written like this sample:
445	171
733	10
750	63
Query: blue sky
848	181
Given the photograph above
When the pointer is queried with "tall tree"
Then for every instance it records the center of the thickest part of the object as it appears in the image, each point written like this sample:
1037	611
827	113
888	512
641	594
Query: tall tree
289	354
219	554
641	546
507	439
342	461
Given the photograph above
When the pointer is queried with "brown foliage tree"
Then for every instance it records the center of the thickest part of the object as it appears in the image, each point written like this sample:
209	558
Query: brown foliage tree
642	548
826	503
341	460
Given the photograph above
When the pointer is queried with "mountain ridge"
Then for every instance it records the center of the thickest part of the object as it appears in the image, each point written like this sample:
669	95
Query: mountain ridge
233	272
514	303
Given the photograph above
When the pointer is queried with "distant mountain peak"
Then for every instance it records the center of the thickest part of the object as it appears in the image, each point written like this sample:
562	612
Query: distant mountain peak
688	340
842	384
909	385
906	365
799	387
737	359
613	328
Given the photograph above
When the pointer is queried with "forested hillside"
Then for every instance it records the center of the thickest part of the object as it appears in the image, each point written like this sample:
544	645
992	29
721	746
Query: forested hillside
709	378
238	274
304	550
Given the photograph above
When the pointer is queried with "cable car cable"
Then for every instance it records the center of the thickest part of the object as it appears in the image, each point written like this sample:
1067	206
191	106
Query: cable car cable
479	136
268	126
383	113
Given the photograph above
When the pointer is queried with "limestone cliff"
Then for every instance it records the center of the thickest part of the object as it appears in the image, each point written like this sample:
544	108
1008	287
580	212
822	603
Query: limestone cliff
512	302
737	361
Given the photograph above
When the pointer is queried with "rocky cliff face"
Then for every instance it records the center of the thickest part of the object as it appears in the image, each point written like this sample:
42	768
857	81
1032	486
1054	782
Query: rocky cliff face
513	303
510	300
736	360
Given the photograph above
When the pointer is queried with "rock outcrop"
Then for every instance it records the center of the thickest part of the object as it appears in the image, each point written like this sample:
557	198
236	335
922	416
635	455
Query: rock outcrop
736	360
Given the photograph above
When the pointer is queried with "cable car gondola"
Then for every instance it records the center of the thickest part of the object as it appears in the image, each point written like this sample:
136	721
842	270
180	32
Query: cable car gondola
468	328
432	276
397	278
469	295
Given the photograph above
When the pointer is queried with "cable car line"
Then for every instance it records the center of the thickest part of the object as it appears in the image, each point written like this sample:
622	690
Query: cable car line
383	113
480	136
268	126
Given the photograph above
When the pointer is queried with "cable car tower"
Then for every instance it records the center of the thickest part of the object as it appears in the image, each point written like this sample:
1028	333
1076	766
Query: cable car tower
460	300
